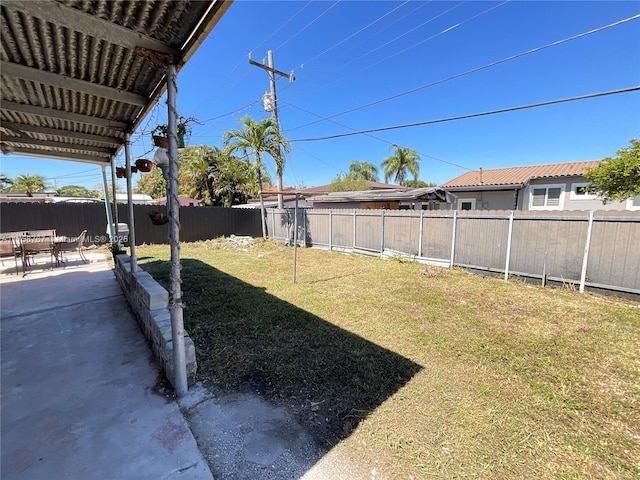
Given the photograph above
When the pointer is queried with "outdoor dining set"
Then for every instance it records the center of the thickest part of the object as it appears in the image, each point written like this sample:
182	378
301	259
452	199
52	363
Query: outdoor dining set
26	245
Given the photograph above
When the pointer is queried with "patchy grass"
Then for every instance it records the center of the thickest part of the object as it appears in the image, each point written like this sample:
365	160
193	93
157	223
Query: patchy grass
418	372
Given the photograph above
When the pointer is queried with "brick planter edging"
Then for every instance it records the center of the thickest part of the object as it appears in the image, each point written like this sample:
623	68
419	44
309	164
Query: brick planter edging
150	304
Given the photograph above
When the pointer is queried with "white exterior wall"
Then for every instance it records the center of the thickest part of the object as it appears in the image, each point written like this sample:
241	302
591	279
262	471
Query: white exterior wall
569	199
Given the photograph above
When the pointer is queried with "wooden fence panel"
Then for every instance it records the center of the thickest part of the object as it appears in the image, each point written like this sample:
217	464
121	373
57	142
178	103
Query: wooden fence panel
342	228
369	229
437	233
402	231
482	242
614	254
317	227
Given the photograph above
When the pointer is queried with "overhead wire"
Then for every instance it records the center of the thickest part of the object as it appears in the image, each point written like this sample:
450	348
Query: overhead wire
334	5
381	139
233	70
344	40
474	70
473	115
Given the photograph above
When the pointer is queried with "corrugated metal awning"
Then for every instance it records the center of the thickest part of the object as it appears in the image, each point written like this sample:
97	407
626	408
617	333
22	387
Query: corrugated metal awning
77	75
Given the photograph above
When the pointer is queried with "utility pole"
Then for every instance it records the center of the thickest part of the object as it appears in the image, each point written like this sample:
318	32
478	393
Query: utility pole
271	105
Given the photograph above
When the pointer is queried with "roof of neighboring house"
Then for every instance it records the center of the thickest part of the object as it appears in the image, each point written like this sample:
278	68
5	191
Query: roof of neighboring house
182	200
516	176
401	194
372	186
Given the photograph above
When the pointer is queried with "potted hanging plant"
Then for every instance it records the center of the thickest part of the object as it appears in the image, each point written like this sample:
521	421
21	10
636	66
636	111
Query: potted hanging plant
158	218
134	169
143	165
183	130
121	172
160	136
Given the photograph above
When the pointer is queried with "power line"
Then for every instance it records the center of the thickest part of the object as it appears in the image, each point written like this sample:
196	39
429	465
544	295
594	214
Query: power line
474	70
473	115
307	25
354	34
381	139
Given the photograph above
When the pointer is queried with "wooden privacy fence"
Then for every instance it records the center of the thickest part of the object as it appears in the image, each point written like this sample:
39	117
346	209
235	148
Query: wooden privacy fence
595	249
196	223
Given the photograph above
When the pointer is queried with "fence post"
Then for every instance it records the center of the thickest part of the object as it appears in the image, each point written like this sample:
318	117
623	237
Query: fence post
585	259
273	221
355	216
420	234
506	263
382	235
304	227
453	239
330	230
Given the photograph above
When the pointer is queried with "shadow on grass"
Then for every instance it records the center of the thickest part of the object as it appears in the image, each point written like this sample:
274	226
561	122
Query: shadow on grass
246	338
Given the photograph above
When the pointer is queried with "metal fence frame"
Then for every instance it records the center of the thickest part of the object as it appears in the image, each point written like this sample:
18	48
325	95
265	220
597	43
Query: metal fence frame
579	248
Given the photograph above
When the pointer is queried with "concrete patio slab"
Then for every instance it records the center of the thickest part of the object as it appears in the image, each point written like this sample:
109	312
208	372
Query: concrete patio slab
78	381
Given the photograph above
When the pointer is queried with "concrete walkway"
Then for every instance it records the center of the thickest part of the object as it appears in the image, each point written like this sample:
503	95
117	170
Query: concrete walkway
78	380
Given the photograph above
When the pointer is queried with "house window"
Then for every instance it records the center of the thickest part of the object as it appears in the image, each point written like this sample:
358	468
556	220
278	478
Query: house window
546	197
466	204
634	203
580	191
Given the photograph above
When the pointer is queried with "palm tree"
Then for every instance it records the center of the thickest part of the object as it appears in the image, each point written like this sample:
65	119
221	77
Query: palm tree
258	138
397	165
29	184
361	170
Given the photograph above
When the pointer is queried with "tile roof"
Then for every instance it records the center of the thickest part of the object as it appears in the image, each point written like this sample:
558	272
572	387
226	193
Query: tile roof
518	175
372	186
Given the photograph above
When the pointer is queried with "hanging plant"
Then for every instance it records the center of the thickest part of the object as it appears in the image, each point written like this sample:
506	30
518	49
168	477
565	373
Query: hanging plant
143	165
158	218
121	172
183	130
134	169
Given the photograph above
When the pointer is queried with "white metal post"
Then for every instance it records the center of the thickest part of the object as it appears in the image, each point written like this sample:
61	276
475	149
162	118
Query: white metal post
330	230
107	205
420	235
173	208
132	228
382	235
453	239
585	259
506	263
355	216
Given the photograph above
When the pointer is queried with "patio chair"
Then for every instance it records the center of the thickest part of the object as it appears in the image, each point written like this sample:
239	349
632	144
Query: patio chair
34	245
9	247
72	244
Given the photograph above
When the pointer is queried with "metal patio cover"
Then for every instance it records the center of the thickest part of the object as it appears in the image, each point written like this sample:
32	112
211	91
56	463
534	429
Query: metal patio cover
79	74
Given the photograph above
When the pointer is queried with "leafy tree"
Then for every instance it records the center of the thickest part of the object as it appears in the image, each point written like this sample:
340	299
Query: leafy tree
5	183
418	184
29	184
99	190
617	178
75	191
403	160
152	184
361	170
258	138
346	183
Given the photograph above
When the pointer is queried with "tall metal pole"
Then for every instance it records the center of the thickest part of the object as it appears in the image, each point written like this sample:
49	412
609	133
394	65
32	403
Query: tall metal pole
585	258
173	209
132	228
107	204
114	204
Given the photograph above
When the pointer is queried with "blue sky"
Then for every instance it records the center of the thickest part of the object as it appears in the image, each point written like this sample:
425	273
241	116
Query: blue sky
350	54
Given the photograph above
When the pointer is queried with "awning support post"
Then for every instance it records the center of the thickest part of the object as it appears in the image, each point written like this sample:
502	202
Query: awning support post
173	210
132	227
107	203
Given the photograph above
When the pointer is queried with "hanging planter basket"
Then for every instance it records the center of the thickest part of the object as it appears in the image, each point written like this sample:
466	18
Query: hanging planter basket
121	172
134	169
143	165
160	141
158	218
180	137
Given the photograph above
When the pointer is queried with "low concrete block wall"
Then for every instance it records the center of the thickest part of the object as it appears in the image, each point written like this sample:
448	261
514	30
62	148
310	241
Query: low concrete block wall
150	304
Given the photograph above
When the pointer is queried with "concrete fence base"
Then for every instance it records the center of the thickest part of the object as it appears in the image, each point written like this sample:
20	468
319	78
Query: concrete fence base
149	302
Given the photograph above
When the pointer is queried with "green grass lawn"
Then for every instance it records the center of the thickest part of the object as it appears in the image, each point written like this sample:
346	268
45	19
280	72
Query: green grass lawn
415	371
